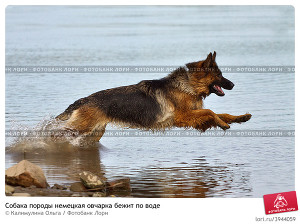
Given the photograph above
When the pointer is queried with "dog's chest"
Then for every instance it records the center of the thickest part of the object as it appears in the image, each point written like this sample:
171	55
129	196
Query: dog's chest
197	105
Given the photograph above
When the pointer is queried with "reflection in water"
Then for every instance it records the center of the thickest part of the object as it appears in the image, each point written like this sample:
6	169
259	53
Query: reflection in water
198	179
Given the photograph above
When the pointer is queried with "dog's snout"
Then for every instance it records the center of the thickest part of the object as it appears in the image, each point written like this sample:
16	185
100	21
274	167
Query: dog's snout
227	84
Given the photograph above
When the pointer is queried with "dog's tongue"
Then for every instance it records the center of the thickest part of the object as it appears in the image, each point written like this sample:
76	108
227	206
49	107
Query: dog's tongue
219	89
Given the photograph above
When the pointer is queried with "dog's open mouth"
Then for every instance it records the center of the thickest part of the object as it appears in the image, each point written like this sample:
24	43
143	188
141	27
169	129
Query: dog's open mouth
218	90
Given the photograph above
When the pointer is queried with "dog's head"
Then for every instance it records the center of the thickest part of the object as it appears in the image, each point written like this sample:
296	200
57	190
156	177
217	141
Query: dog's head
206	78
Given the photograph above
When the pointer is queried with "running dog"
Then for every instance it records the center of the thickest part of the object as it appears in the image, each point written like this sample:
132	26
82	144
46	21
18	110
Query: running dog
173	101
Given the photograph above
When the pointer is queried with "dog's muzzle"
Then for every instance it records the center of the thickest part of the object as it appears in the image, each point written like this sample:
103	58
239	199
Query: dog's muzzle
226	84
217	88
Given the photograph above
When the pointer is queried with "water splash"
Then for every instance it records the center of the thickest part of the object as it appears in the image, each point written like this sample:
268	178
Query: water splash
48	134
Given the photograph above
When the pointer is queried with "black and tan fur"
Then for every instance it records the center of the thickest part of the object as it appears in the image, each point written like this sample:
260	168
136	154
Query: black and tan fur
173	101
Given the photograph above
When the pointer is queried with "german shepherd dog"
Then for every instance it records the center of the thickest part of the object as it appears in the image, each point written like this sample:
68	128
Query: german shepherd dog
173	101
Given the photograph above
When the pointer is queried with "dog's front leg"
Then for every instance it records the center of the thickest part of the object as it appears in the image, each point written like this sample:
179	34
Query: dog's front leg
228	118
199	119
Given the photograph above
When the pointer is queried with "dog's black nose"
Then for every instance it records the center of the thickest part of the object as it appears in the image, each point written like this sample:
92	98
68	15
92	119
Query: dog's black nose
231	85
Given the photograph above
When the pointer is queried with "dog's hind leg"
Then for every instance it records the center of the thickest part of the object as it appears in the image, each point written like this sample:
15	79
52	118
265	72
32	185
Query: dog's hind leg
88	121
228	118
97	133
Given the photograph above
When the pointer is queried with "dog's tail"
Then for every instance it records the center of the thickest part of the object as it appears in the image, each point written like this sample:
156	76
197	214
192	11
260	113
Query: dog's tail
63	116
68	112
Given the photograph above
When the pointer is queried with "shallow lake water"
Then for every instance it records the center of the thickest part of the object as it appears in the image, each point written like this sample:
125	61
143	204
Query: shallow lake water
197	166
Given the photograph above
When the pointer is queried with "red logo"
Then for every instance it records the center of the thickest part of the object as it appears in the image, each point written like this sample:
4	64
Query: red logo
280	202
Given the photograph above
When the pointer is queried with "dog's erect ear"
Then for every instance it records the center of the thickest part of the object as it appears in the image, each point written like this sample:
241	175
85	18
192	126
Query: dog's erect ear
214	56
208	61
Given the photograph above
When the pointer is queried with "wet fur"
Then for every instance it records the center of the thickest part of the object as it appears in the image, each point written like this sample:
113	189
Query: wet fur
173	101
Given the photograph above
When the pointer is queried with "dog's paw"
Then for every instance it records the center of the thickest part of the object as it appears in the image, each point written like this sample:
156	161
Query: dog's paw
243	118
224	126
